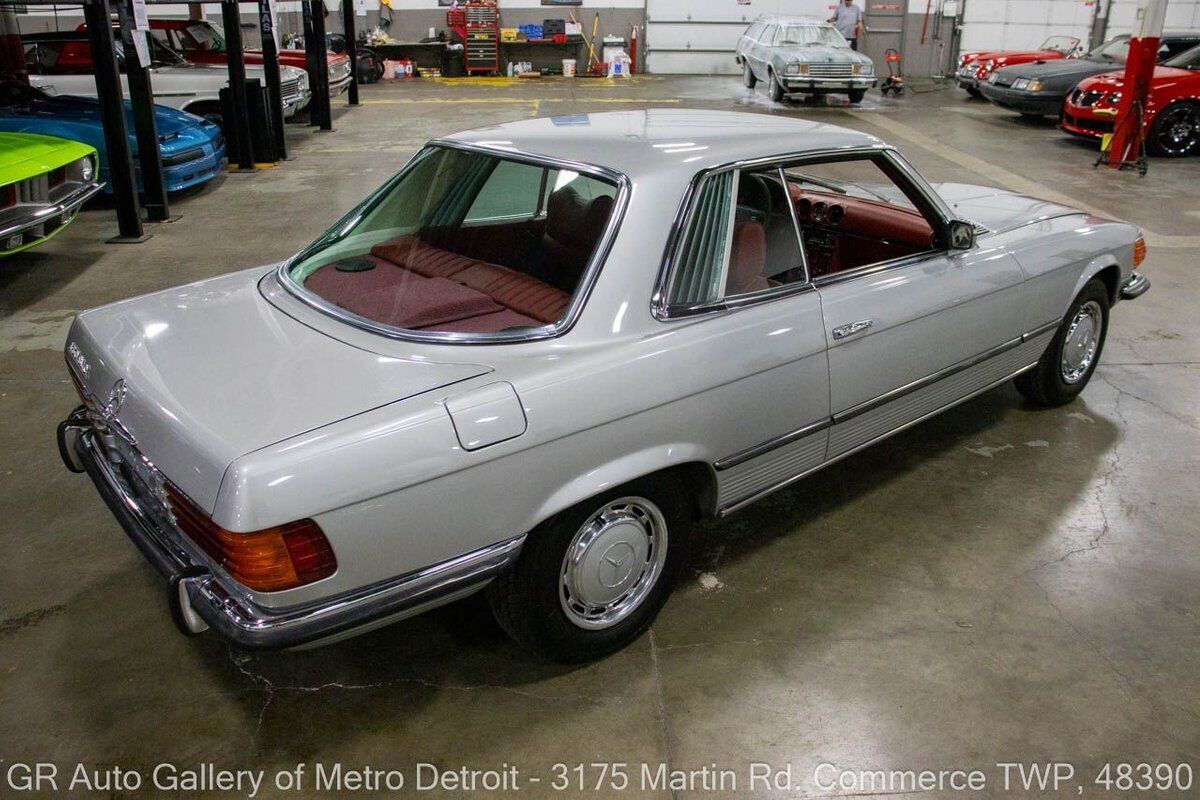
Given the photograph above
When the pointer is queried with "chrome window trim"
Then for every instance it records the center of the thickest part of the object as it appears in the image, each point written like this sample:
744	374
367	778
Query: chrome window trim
578	300
663	312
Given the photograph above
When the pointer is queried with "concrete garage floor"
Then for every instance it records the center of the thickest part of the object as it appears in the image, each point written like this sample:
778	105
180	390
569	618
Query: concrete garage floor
1002	584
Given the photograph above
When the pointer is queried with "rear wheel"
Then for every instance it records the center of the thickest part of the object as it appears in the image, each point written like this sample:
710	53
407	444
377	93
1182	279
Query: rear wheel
748	79
856	95
774	89
1176	131
1071	358
590	579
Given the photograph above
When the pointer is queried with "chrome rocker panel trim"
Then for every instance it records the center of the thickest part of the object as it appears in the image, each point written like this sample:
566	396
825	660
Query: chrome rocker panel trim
1134	286
199	599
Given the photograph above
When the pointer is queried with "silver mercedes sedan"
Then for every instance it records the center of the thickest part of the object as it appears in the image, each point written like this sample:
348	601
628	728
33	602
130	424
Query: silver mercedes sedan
802	55
535	356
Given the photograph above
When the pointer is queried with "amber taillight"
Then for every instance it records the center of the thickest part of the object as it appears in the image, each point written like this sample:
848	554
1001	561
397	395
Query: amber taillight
1139	251
270	560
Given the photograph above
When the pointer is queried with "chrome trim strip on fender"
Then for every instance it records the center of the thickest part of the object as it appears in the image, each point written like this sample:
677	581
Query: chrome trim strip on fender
740	504
200	598
921	383
729	462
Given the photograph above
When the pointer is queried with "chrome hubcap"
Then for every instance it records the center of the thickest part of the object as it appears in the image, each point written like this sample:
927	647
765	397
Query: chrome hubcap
612	563
1081	341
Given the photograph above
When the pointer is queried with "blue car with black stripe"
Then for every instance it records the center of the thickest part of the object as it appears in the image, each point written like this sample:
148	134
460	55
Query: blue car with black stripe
192	148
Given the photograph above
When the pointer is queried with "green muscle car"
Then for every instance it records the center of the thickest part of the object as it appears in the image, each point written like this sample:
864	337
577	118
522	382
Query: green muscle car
43	182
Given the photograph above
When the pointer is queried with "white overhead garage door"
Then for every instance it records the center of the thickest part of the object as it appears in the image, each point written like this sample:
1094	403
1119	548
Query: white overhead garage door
1023	24
697	37
1182	15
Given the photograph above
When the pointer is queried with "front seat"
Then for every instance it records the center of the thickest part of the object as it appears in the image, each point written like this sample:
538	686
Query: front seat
747	258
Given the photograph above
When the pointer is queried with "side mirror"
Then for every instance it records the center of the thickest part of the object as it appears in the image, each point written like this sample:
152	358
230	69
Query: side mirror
960	235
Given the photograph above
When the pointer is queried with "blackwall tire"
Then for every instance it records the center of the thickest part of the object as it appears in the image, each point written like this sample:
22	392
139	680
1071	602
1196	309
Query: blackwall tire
592	578
748	79
1070	359
1176	131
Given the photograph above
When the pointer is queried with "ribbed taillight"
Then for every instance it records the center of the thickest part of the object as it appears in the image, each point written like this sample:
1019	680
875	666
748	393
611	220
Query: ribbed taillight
270	560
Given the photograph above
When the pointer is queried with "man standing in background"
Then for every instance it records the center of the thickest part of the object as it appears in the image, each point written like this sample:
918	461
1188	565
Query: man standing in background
848	20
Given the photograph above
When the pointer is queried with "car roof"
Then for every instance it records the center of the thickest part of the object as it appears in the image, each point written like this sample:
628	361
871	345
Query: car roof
675	142
782	19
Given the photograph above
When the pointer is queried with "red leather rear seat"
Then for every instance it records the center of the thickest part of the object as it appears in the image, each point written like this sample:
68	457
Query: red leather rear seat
517	291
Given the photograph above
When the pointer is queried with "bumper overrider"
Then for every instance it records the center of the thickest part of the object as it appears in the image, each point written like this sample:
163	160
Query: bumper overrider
1134	286
202	596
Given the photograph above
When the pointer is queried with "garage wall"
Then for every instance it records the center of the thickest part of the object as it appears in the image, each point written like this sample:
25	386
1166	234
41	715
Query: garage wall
1182	15
697	37
1024	24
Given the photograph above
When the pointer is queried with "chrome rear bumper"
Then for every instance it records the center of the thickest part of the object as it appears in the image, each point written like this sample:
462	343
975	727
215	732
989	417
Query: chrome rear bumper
201	596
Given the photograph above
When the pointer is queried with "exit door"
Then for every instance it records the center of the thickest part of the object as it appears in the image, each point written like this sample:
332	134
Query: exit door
885	28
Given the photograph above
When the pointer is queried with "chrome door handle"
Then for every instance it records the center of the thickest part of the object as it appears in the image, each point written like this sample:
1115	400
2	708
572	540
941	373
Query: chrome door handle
842	331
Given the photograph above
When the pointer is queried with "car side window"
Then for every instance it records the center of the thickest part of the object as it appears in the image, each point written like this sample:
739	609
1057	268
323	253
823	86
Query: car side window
853	213
739	239
755	31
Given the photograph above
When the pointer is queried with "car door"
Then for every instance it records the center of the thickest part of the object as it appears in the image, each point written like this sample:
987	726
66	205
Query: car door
760	51
747	334
923	326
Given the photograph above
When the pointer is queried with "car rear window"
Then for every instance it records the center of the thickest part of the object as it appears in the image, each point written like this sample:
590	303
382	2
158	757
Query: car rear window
467	243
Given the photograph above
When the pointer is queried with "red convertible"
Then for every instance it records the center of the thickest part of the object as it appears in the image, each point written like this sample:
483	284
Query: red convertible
1172	117
975	66
204	43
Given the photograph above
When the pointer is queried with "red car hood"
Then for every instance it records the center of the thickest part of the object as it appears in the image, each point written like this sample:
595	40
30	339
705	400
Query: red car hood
1019	56
1115	81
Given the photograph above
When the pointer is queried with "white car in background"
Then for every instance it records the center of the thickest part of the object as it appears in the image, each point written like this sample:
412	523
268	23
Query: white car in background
61	63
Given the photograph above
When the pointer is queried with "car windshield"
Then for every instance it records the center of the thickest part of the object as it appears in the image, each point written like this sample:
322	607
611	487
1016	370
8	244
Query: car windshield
1188	59
207	37
810	34
1061	44
1112	50
160	54
464	242
15	93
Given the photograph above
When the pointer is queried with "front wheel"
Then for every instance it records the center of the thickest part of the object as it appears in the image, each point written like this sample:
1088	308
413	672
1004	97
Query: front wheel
1071	358
856	95
748	79
590	579
1176	131
775	90
974	92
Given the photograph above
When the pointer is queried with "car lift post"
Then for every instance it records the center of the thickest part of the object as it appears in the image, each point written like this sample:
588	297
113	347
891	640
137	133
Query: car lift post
112	117
351	48
318	72
240	124
141	97
1126	146
266	24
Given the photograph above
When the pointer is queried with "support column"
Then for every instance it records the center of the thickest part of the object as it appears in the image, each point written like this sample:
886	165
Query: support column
1126	147
239	125
266	24
319	53
141	99
351	48
112	118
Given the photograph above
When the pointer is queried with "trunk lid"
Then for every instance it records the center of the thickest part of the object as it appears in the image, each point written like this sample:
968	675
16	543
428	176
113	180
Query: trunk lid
212	371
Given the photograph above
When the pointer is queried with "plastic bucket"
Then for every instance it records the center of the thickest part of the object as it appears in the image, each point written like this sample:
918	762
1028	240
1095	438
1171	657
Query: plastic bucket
390	69
568	68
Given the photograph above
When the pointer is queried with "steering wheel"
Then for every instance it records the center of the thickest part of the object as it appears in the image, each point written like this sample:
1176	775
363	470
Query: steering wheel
754	192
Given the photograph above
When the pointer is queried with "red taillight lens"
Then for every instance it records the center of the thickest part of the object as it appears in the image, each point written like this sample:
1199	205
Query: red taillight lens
1139	251
270	560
